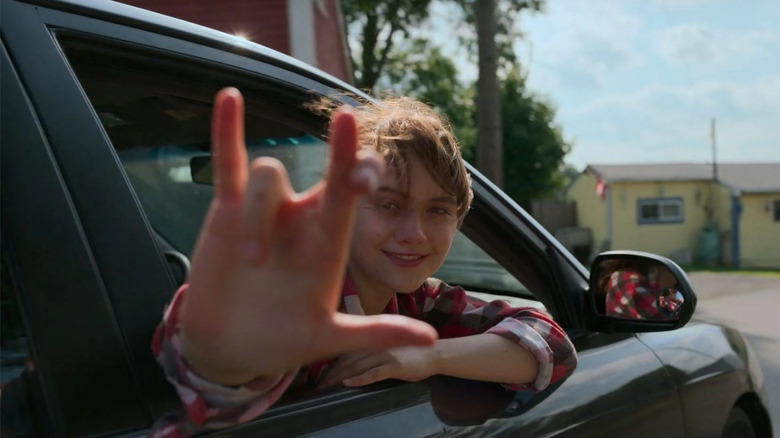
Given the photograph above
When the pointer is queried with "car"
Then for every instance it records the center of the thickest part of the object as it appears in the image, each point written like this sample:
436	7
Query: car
105	182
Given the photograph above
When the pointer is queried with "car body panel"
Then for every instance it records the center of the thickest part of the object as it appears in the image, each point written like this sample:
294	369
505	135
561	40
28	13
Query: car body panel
712	366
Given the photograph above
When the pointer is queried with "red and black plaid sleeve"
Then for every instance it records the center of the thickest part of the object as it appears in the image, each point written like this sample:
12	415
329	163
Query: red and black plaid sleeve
454	314
207	405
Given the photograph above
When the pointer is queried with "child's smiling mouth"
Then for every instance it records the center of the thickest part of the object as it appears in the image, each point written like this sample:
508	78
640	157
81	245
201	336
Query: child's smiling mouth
405	260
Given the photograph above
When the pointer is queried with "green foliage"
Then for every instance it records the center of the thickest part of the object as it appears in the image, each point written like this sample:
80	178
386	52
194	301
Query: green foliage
534	147
569	173
424	72
507	33
380	24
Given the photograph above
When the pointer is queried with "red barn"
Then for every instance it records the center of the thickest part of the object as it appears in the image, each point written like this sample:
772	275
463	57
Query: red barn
309	30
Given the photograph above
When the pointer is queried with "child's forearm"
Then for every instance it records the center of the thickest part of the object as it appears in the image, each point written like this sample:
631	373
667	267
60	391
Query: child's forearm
486	357
205	367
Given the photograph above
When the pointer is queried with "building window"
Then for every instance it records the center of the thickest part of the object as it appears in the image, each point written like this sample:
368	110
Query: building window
777	211
659	211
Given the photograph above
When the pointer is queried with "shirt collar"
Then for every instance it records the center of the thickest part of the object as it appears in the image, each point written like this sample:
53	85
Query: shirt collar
350	301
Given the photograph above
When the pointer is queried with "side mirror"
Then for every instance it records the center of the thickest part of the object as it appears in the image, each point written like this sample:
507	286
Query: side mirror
202	170
634	291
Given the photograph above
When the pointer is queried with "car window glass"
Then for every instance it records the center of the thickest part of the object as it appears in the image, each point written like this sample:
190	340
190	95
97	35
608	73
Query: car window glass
157	117
470	266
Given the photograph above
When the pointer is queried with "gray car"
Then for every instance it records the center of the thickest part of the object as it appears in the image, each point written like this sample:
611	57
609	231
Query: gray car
105	181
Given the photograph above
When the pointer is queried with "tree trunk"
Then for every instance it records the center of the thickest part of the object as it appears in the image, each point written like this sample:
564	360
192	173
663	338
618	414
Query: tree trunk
489	146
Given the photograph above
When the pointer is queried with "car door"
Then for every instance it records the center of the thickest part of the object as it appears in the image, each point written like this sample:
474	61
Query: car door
81	380
91	282
118	111
619	388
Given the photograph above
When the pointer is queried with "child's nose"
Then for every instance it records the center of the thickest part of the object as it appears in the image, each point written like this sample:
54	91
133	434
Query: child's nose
411	229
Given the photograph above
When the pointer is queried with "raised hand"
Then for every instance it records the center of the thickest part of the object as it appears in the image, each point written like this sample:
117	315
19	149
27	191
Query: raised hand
268	265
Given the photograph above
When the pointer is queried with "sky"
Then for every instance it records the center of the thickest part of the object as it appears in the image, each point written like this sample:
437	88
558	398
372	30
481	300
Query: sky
639	81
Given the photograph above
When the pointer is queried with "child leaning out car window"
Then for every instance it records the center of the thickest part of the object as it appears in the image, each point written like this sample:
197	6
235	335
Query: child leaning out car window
331	286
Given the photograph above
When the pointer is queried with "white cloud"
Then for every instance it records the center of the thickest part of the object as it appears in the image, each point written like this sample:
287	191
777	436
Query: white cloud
640	81
687	42
681	4
697	43
586	43
662	124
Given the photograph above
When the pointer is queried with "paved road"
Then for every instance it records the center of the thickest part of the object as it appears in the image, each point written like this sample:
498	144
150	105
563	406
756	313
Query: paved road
750	303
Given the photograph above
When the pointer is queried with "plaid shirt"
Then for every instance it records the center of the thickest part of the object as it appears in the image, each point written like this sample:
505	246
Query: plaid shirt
448	309
633	295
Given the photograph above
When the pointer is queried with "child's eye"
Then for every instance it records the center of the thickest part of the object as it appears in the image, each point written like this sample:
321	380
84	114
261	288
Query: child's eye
440	211
388	205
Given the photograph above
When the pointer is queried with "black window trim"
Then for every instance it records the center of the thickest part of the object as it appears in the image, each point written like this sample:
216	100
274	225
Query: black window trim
42	230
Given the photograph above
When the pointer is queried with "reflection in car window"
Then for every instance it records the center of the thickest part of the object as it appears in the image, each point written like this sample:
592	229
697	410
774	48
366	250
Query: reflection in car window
175	204
469	266
158	120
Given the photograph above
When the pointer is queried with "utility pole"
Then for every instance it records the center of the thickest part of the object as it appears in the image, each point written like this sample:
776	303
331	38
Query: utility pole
714	153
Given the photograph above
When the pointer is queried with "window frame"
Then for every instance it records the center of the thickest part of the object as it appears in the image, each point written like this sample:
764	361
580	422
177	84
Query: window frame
56	291
490	224
660	202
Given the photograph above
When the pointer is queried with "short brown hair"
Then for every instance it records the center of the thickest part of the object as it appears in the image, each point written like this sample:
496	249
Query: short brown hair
401	128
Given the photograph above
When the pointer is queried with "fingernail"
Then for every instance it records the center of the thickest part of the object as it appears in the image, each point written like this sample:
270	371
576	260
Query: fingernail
367	175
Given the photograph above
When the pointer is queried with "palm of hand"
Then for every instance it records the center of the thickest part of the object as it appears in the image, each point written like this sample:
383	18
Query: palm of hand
268	265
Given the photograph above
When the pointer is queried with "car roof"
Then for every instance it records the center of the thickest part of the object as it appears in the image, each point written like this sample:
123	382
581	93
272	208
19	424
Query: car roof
162	24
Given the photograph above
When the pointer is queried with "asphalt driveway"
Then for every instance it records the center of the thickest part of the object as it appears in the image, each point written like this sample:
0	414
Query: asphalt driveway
751	303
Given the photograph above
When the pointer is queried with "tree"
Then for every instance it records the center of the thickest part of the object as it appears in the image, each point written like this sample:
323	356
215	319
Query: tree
496	31
507	16
489	148
379	23
419	70
534	145
377	26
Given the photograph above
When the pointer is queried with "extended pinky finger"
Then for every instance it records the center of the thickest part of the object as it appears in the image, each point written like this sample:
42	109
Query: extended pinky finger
365	176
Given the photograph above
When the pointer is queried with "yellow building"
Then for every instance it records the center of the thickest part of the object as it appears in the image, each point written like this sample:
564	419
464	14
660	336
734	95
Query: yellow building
684	211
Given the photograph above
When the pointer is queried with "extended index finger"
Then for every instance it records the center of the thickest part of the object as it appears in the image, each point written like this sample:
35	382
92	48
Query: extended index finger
227	146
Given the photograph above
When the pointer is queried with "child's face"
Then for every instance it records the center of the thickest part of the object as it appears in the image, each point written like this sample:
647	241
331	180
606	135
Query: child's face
402	234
